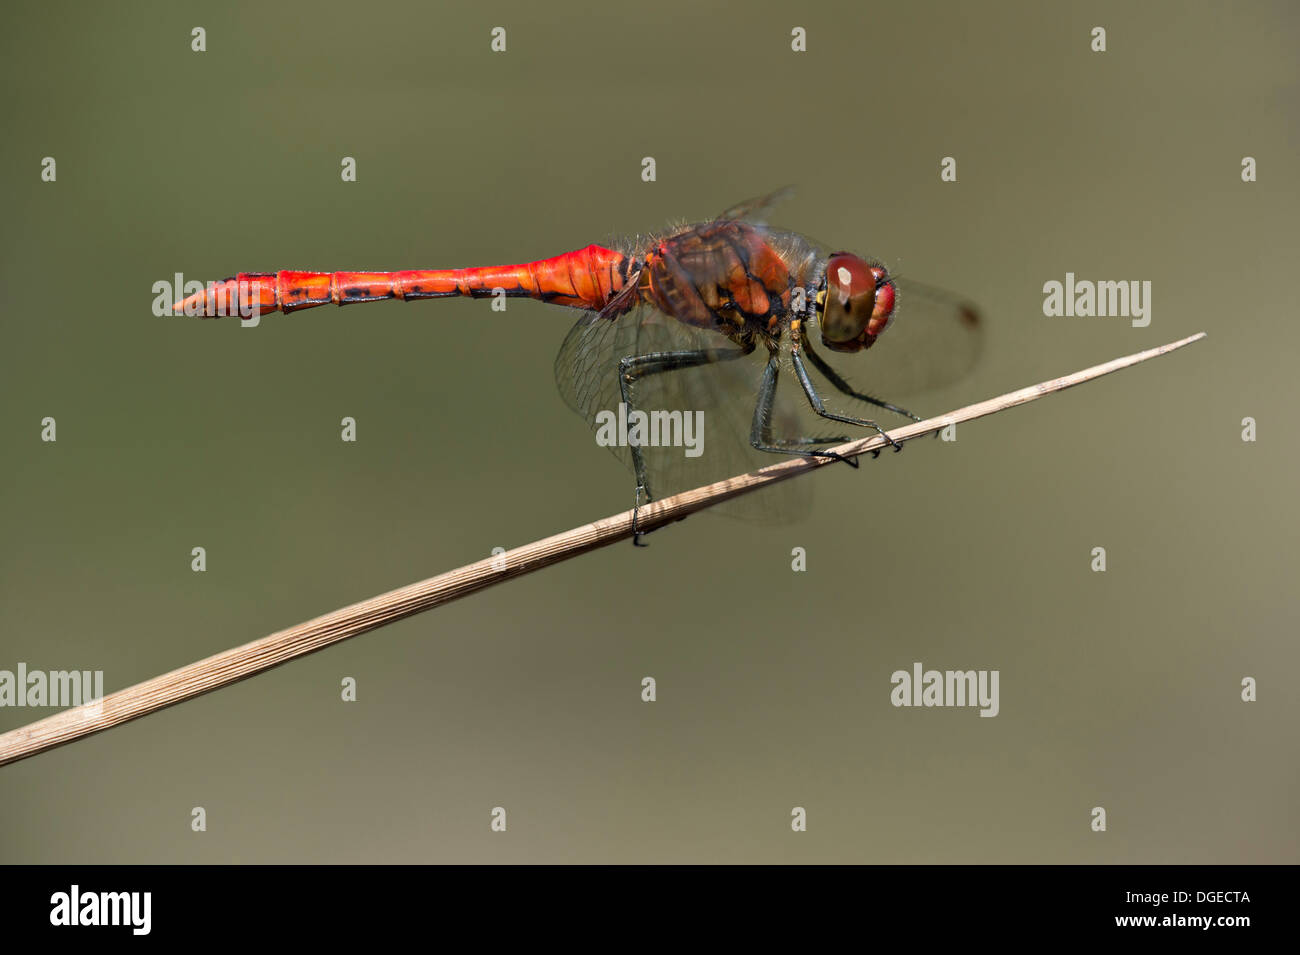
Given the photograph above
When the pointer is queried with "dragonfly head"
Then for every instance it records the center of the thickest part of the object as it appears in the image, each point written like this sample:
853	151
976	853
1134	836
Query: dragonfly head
855	303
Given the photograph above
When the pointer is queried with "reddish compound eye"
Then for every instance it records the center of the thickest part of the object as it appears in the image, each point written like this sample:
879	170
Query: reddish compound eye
858	303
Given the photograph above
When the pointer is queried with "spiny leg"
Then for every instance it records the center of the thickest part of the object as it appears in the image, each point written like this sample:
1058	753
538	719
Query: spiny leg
635	367
819	406
843	386
760	432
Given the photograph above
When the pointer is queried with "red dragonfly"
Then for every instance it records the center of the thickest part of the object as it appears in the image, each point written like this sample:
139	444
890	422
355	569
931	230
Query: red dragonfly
666	327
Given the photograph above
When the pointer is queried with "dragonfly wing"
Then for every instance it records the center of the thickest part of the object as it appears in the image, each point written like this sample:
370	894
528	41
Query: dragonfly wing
756	210
586	371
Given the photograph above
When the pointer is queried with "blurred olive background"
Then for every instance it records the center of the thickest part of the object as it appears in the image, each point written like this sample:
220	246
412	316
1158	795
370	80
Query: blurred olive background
1119	690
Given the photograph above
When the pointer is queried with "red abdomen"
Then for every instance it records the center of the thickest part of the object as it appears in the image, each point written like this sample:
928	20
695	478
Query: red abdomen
585	278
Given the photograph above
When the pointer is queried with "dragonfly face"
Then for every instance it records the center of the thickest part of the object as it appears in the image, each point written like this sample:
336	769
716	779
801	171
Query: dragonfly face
855	304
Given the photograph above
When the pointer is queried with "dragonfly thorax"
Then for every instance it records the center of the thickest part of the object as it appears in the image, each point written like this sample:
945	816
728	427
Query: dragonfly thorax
720	275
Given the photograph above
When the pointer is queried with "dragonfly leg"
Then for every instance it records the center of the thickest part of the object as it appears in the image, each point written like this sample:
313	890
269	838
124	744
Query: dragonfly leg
636	509
634	367
843	386
819	406
813	439
760	434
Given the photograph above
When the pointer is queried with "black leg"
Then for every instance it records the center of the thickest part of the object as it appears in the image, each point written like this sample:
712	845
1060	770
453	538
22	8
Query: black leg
634	367
636	509
819	406
843	386
760	433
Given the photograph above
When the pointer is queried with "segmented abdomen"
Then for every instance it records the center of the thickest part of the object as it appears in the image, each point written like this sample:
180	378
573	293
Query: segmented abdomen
585	278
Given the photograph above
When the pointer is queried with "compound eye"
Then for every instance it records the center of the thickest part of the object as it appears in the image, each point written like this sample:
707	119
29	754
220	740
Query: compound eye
859	302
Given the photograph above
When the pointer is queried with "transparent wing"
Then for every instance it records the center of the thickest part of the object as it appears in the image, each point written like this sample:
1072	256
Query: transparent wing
757	209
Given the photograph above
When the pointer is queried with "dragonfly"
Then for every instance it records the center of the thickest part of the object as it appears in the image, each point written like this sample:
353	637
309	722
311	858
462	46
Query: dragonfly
698	324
